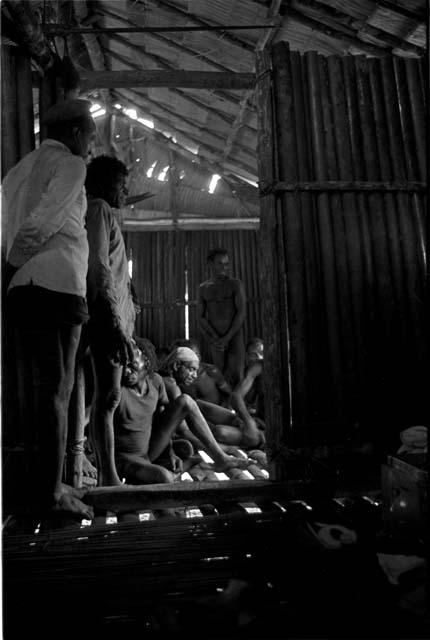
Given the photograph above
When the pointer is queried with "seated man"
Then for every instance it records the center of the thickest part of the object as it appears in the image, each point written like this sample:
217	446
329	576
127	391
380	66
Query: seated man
179	370
247	401
146	419
210	384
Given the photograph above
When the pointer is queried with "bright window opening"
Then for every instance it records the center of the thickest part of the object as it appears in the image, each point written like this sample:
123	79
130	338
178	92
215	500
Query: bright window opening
187	309
213	183
151	169
162	175
130	268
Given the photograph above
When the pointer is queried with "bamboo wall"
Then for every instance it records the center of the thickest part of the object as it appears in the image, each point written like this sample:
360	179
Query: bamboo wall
16	107
343	164
160	260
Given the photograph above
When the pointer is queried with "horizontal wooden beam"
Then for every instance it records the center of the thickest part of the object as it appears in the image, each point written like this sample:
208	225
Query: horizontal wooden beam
344	186
59	30
189	224
122	499
190	79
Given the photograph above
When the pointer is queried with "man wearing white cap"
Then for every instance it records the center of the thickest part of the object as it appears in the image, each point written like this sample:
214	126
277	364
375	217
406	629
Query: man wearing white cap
44	208
180	368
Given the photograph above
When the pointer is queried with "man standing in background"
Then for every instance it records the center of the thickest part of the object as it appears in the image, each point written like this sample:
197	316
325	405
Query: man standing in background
221	312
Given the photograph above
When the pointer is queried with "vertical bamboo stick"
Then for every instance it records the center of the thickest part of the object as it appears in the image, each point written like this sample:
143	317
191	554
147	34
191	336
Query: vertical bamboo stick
25	106
10	153
405	231
347	382
350	229
311	302
418	115
325	235
292	237
271	276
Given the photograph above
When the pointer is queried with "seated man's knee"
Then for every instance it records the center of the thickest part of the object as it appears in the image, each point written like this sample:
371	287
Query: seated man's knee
160	475
220	432
185	402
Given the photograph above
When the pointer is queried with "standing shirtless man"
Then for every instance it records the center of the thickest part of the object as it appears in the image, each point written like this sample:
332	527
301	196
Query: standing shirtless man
221	312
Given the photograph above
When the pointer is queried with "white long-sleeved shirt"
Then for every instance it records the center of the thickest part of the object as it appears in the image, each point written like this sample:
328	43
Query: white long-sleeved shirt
108	277
43	210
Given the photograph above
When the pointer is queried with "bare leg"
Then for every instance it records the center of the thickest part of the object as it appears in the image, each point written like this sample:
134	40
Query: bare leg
107	378
54	353
144	472
75	436
216	414
185	407
218	357
235	359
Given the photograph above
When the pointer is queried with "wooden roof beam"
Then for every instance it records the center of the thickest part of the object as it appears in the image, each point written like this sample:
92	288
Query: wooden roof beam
330	13
202	158
336	34
213	151
234	40
148	78
168	41
165	64
247	100
174	114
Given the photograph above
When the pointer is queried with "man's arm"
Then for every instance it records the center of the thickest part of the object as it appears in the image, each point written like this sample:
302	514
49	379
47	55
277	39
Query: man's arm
52	211
102	297
239	394
207	329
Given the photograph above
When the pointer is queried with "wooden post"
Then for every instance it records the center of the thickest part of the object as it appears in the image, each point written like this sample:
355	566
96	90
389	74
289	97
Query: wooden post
9	110
25	104
272	278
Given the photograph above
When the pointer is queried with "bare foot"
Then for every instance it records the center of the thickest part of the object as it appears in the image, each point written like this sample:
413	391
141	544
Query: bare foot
67	502
230	462
88	469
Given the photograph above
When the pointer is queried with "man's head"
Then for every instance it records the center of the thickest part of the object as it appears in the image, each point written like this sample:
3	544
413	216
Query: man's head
107	179
144	363
255	350
218	263
182	364
191	344
70	122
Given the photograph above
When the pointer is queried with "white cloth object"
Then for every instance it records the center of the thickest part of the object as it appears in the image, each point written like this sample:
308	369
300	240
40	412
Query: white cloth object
414	440
185	354
43	211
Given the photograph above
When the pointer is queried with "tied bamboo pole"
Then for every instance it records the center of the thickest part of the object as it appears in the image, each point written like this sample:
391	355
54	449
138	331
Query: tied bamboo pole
367	292
10	153
25	111
315	352
382	329
276	376
346	383
350	229
326	246
290	228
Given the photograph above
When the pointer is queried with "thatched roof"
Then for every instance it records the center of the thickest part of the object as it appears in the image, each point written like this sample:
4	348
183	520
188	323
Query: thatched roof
188	134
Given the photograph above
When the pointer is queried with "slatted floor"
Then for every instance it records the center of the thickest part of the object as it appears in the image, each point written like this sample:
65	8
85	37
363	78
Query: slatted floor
147	566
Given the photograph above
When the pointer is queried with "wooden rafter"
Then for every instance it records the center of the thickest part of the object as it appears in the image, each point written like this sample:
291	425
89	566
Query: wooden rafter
156	78
234	40
171	113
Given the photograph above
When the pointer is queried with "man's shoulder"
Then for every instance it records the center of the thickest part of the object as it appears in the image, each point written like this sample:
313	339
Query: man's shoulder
254	370
156	379
99	207
211	369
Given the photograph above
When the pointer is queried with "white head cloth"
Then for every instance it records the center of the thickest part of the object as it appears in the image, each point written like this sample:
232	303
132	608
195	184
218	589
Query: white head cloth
185	354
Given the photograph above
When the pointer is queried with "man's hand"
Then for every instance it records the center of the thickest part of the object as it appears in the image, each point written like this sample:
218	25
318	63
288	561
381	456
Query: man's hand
175	462
121	350
220	343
